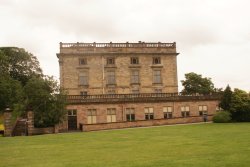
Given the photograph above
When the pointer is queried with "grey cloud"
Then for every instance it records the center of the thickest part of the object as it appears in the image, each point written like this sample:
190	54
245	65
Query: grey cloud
200	28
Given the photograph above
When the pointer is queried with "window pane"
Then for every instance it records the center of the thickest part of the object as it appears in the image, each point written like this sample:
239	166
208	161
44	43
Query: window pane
135	76
169	109
170	115
110	77
151	116
89	119
108	118
134	60
204	108
128	117
183	114
83	79
132	117
82	61
200	108
157	76
113	118
156	60
93	119
151	110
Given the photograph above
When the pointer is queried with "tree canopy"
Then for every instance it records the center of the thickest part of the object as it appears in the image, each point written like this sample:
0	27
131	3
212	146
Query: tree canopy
23	85
237	102
196	84
19	64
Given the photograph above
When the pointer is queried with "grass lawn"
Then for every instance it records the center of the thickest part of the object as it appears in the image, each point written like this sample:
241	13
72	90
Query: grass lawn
203	145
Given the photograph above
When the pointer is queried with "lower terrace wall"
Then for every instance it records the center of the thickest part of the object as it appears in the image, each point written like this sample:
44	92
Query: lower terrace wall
144	123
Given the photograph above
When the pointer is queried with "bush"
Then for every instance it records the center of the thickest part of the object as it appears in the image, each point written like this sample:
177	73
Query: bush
222	117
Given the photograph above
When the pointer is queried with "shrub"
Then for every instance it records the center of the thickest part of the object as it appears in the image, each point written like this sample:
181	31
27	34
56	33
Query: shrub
222	117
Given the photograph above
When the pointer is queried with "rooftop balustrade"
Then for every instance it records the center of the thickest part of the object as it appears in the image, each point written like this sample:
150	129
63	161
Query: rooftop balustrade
118	45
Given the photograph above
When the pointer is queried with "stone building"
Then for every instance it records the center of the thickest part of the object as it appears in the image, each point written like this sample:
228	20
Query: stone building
117	85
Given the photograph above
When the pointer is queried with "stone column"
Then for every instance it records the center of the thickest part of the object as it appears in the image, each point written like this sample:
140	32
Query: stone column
30	122
56	128
7	122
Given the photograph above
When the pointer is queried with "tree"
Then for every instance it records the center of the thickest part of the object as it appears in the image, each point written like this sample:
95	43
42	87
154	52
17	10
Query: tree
46	100
240	106
18	64
195	83
23	85
11	93
226	99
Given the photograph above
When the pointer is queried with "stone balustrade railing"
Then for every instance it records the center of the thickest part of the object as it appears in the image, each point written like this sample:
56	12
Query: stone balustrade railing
142	97
118	45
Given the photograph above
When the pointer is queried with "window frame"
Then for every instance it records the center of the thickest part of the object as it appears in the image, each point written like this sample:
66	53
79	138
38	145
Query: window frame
110	61
111	115
167	112
83	78
185	111
134	60
157	77
91	116
130	114
135	77
111	79
82	61
203	110
156	60
72	112
149	113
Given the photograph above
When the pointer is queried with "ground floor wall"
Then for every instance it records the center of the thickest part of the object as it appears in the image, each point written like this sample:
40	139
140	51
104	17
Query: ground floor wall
145	114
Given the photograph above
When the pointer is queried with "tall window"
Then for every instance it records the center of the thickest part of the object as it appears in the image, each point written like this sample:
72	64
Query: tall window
111	115
157	76
91	114
156	60
134	60
110	60
168	112
111	77
135	77
185	112
130	114
83	78
149	113
82	61
202	110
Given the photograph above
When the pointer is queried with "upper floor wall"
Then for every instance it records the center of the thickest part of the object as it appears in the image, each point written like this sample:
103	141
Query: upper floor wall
118	68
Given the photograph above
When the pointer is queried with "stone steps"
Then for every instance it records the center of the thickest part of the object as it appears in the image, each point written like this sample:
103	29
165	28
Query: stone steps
20	128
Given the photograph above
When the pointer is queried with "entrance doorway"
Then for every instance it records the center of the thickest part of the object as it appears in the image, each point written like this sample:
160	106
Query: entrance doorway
72	120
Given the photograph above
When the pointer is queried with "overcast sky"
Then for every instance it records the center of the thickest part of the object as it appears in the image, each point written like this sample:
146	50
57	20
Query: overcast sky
212	36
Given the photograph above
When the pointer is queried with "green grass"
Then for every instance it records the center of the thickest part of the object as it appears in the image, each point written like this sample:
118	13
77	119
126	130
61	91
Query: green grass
204	145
